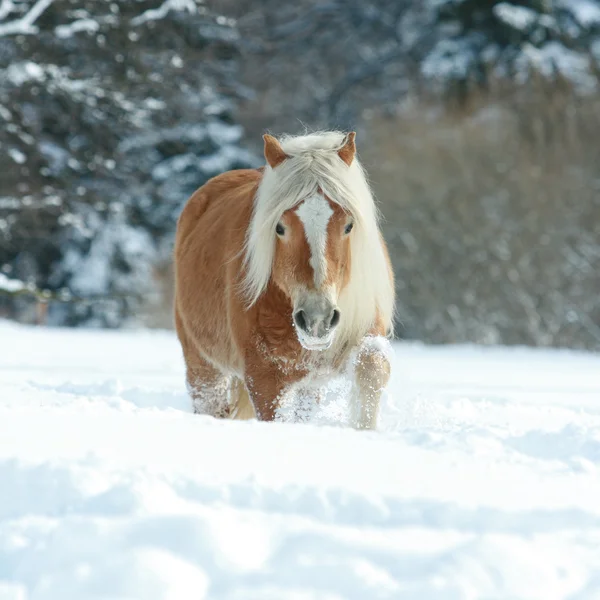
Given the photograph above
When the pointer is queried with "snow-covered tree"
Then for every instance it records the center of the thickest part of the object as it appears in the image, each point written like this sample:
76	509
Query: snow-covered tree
112	114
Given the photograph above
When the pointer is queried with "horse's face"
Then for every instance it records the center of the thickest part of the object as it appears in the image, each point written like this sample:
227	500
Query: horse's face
312	266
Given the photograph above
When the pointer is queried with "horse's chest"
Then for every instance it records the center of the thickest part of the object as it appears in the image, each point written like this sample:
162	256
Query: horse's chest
289	359
304	365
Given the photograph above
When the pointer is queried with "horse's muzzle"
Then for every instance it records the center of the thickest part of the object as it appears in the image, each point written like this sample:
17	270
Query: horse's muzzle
315	323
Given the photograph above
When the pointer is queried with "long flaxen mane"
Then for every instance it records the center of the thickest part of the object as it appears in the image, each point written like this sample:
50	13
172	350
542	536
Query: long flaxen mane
312	164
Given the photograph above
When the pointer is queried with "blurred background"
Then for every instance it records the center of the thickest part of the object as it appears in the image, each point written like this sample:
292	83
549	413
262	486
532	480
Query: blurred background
478	122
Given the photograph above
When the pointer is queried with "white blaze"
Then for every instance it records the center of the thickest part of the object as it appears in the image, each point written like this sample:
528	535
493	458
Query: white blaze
315	213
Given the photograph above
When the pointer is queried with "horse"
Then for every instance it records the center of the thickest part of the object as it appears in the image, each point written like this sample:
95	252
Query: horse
283	280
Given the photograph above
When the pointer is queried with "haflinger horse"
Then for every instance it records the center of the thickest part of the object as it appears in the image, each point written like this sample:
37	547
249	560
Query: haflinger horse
283	280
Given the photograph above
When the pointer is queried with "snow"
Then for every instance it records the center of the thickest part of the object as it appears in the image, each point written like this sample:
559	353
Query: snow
93	272
519	17
586	12
17	155
450	58
24	71
24	25
554	57
6	7
87	25
163	10
482	481
10	285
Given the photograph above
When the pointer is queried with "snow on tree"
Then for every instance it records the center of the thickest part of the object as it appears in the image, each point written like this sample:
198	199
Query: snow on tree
112	114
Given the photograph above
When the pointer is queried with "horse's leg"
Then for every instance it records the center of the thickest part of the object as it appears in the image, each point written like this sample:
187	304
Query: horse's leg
241	406
269	386
371	374
209	389
265	393
207	386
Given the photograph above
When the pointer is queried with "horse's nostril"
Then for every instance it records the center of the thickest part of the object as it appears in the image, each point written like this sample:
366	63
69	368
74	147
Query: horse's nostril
300	319
335	318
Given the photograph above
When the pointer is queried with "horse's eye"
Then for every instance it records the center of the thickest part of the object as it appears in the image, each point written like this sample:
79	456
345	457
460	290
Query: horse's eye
280	229
348	228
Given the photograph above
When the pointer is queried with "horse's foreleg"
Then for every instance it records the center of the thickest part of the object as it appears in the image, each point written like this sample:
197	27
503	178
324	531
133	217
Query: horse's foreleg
270	387
209	389
371	374
266	392
207	386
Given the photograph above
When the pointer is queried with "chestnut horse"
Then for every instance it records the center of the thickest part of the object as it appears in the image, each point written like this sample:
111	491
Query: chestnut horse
283	280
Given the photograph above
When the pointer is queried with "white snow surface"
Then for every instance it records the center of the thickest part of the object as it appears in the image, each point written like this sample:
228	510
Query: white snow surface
482	482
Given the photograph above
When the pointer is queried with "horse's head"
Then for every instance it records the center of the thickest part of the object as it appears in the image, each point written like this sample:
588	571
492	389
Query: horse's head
311	262
312	265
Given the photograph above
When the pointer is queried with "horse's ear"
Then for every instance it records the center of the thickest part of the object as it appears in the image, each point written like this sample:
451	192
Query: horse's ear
348	150
274	153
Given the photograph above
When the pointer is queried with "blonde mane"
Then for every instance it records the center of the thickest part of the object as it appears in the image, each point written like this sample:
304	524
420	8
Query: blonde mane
314	163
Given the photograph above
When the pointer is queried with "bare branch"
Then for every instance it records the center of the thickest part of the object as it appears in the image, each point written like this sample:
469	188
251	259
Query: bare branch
360	73
63	296
304	25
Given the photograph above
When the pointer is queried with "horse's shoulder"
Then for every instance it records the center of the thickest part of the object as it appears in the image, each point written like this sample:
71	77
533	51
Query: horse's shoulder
233	180
239	184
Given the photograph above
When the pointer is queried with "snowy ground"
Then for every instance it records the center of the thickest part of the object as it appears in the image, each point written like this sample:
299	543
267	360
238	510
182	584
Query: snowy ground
483	482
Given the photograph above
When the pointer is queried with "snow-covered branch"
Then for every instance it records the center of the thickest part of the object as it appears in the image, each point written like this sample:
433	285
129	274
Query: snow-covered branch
6	7
24	25
65	31
11	286
163	10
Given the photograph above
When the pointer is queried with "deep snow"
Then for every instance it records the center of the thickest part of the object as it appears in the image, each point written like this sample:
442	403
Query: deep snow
483	481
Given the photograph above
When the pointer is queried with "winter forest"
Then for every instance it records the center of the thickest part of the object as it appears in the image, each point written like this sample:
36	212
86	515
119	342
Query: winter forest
478	123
